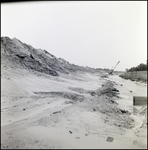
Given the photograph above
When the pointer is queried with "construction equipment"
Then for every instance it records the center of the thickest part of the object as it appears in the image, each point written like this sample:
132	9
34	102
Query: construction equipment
113	68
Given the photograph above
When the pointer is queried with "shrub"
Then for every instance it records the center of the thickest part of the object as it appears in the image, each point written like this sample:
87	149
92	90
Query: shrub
141	67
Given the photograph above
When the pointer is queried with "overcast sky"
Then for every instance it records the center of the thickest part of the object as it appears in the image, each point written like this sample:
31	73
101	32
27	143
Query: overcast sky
97	34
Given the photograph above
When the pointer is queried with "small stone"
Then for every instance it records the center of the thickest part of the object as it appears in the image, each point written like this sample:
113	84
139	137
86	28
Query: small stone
94	109
70	132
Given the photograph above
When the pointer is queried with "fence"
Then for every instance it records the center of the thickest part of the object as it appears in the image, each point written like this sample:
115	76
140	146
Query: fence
136	75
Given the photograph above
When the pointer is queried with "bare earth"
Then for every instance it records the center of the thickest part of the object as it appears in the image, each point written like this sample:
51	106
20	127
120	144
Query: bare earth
76	110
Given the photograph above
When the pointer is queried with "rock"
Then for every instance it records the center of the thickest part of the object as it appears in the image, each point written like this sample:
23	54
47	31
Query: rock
70	131
93	93
31	56
123	111
114	89
94	109
112	101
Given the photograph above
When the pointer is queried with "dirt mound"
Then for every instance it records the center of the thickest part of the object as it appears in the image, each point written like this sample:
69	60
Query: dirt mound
107	89
22	55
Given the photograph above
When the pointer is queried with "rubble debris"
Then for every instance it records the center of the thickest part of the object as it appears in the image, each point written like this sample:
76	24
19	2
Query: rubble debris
56	112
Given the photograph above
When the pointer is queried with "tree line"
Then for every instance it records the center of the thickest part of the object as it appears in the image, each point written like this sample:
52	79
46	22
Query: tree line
141	67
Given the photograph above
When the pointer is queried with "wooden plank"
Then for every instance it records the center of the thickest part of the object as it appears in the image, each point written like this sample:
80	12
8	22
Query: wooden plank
139	100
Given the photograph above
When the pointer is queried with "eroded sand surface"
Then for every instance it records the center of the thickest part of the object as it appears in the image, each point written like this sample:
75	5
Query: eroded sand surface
76	110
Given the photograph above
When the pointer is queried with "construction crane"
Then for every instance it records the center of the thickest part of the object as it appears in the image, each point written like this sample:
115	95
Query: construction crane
113	68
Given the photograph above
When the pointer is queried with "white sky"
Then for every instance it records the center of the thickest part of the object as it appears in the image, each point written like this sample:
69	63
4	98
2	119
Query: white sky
97	34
